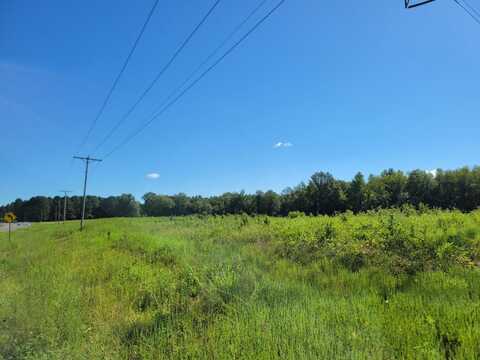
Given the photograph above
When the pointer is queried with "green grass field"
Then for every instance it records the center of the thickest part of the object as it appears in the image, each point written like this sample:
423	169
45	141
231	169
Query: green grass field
387	285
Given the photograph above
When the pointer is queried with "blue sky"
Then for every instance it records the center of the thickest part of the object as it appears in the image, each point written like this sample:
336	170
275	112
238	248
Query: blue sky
348	86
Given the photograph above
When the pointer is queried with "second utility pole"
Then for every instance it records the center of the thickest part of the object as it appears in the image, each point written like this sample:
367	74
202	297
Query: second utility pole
87	162
65	204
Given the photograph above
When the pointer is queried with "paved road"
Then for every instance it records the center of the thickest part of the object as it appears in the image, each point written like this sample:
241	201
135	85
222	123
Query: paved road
15	226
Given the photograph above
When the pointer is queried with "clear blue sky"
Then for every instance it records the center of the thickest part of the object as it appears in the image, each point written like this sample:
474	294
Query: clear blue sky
352	85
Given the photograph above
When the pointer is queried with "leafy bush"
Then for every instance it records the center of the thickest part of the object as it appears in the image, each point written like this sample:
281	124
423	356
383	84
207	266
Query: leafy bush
296	214
400	241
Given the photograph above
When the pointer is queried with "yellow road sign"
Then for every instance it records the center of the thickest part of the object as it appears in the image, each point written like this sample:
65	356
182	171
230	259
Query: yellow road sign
9	218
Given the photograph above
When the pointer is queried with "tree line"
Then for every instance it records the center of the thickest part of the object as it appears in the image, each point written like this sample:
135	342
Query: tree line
43	208
322	194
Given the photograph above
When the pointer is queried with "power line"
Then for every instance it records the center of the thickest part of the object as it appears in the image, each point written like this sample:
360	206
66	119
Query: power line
158	76
469	9
477	13
469	12
202	75
122	70
209	57
179	96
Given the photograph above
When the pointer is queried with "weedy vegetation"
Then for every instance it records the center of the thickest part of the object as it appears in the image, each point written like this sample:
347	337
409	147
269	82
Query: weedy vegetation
389	284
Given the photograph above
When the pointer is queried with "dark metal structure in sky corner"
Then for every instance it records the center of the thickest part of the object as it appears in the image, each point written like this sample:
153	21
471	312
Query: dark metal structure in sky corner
409	4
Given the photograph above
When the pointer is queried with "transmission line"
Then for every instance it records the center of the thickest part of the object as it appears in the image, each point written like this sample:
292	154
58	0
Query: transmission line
200	77
468	11
157	77
209	57
122	70
477	13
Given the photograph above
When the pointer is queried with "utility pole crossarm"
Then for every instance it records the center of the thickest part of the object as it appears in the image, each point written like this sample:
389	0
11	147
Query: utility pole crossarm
88	158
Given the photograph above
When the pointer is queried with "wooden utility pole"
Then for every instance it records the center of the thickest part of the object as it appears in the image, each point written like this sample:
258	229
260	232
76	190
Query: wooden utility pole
58	209
87	162
65	192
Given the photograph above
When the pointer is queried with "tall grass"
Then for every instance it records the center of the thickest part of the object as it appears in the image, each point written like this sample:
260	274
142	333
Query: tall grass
383	285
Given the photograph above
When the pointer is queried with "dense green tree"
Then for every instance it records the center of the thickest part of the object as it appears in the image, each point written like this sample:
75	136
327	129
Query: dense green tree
238	203
200	205
395	184
420	187
108	207
445	194
37	209
267	203
295	199
326	193
127	206
356	193
376	195
218	204
158	205
182	204
91	203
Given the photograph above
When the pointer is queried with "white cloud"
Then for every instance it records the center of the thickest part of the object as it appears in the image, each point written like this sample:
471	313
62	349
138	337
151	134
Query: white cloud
152	176
433	172
282	145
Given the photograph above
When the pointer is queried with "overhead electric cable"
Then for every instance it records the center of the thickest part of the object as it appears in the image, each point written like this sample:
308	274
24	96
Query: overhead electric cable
122	70
477	13
200	77
158	76
469	12
204	62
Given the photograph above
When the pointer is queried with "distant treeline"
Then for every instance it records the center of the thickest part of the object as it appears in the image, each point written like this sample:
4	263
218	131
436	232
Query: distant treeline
42	208
323	194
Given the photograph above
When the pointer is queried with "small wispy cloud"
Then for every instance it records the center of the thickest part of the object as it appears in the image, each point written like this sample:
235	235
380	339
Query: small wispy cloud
282	145
432	172
152	176
16	70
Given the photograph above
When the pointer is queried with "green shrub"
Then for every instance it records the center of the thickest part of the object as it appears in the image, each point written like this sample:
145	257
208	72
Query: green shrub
296	214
